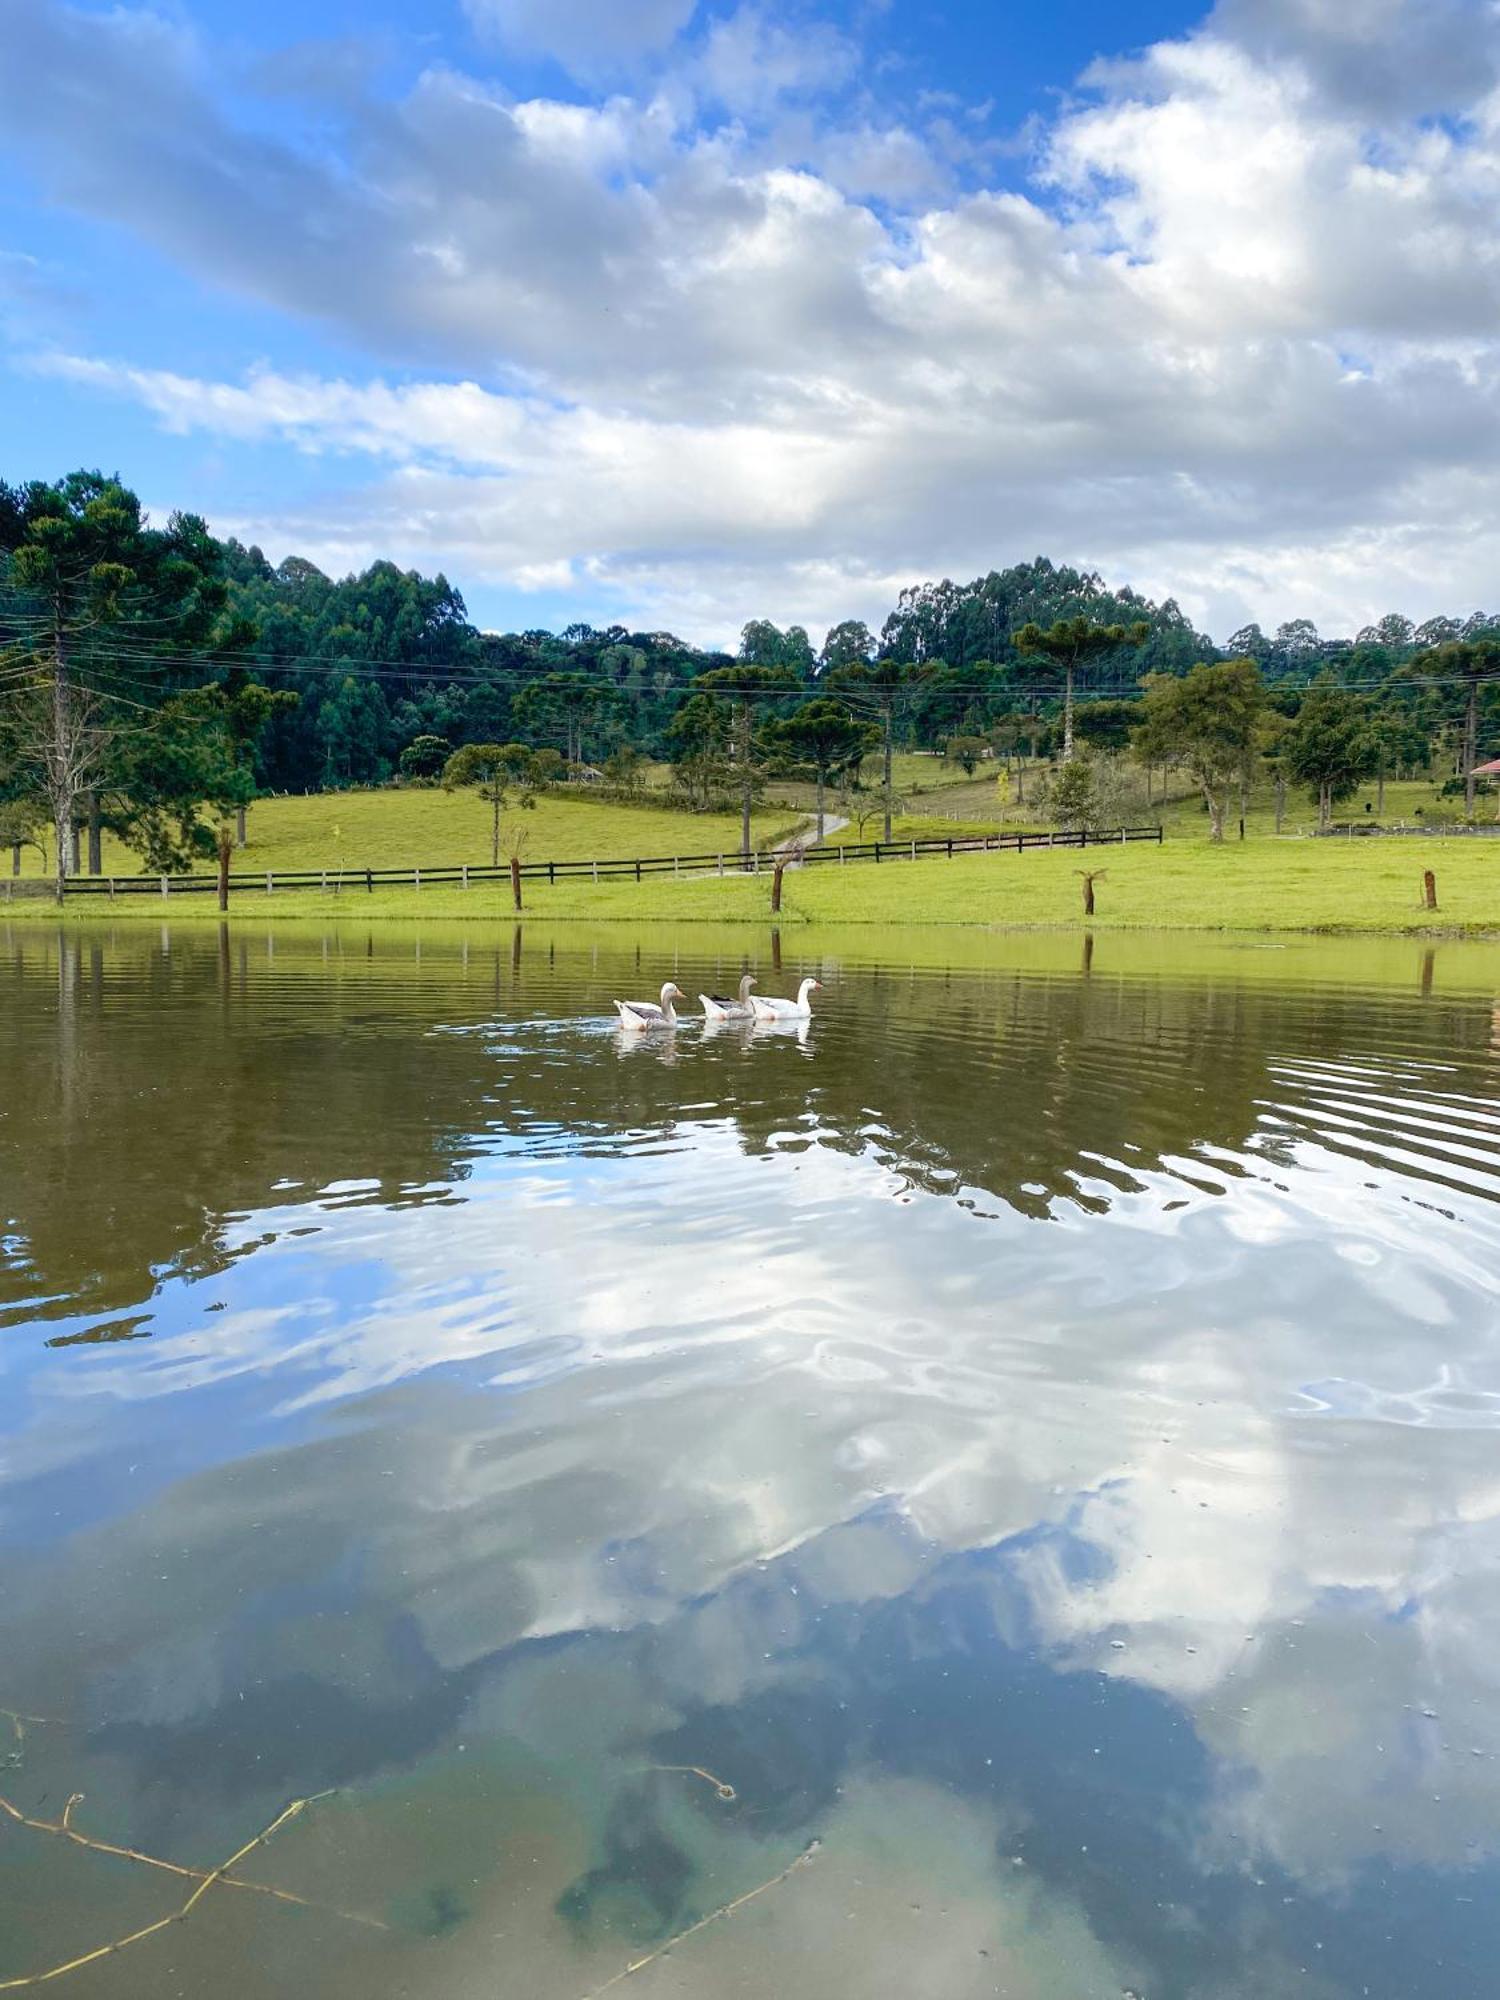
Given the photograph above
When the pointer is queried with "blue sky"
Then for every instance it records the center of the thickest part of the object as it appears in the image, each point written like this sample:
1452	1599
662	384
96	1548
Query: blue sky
684	314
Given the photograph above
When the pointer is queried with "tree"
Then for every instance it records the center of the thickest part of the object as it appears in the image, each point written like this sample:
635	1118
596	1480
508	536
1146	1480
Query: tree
743	685
1075	646
1208	720
1107	724
966	752
880	688
1473	665
103	613
494	771
425	757
763	644
697	742
1331	747
822	737
849	644
569	703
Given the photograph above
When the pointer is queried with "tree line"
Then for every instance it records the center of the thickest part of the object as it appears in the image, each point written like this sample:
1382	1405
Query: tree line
154	680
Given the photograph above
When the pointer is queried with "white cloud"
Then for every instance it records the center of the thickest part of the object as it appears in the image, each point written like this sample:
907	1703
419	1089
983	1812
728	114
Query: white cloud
1235	343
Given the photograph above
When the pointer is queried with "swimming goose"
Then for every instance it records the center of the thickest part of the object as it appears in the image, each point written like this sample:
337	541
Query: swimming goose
637	1014
717	1008
787	1010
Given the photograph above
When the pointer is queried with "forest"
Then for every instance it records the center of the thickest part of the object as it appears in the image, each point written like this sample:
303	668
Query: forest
155	679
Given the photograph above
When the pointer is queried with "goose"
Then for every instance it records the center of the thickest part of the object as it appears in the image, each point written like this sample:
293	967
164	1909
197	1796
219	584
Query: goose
638	1014
717	1008
787	1010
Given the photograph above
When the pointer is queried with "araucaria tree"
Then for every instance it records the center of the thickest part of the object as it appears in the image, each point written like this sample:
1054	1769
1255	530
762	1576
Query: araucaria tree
744	685
879	688
824	738
1073	647
1207	720
496	771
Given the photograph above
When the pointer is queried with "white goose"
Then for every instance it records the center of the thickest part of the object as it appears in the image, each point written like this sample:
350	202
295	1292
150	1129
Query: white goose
638	1014
717	1008
799	1009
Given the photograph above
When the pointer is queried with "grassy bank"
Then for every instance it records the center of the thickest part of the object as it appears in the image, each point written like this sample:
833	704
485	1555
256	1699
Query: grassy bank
1358	887
433	828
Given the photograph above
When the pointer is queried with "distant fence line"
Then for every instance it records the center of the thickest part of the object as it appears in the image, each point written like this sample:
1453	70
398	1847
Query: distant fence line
275	881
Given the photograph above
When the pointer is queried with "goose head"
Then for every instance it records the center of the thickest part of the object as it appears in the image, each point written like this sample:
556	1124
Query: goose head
746	983
669	993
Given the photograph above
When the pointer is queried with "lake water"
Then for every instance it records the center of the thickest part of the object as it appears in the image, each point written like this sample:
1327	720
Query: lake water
1001	1486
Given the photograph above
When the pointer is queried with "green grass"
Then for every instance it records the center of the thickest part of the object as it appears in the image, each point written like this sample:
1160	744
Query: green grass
433	828
1257	886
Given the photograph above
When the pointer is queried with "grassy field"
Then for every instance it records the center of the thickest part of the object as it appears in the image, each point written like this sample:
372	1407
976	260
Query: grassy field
433	828
1262	885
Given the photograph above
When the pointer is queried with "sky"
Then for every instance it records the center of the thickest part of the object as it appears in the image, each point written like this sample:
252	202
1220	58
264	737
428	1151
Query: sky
683	312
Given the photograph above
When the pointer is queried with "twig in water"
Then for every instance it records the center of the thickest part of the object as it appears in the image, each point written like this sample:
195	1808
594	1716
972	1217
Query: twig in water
68	1831
724	1910
697	1771
206	1880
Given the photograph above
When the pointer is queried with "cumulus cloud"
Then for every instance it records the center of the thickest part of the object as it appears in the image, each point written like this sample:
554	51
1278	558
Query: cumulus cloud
736	343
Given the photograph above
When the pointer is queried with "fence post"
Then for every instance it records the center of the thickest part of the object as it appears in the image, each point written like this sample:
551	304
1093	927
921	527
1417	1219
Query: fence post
369	883
843	856
465	867
165	886
757	860
721	864
596	871
914	849
111	888
270	882
676	864
638	868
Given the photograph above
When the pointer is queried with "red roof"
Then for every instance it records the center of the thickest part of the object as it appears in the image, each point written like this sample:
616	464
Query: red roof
1490	770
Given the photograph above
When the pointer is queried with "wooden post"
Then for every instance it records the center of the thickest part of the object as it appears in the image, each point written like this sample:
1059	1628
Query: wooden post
1429	890
466	875
226	848
369	882
416	878
165	886
270	882
776	887
1089	877
515	880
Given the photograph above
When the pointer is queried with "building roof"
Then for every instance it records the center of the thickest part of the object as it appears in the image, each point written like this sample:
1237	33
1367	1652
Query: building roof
1490	770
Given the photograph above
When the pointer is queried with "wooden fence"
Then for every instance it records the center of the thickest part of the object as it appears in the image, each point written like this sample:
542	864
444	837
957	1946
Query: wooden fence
358	880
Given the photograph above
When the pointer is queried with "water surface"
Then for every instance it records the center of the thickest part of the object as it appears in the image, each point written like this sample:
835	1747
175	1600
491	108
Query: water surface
1014	1467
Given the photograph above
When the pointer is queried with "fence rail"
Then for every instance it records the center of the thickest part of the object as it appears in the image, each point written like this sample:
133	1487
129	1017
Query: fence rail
275	881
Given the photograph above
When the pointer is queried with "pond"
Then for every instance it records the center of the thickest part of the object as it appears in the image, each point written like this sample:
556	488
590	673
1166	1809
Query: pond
994	1491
